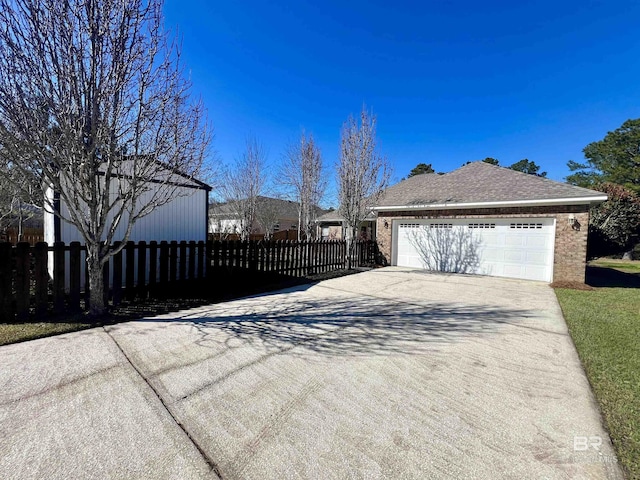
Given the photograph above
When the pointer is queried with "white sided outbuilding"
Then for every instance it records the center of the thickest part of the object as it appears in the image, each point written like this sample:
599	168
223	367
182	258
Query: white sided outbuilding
182	218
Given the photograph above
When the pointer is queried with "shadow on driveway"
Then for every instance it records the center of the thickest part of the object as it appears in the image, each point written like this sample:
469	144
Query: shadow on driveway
362	326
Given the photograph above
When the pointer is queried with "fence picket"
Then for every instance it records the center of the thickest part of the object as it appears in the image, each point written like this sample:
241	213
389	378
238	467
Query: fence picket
58	277
141	284
153	267
164	262
201	259
75	266
183	261
117	275
173	261
130	263
22	281
192	261
6	278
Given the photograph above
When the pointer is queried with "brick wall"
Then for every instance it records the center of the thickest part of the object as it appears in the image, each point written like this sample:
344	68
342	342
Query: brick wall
570	243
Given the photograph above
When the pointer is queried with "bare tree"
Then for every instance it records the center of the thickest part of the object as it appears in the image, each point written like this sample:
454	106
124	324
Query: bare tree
94	104
363	174
14	202
302	175
267	214
243	183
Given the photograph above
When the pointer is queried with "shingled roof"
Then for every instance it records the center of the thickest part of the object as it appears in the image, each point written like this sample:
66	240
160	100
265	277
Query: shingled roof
283	209
482	183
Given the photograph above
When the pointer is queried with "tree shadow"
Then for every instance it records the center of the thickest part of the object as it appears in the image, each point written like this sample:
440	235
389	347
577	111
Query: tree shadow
445	249
612	278
343	326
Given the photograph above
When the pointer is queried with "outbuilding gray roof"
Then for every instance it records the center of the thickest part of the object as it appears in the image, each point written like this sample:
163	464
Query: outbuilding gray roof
480	182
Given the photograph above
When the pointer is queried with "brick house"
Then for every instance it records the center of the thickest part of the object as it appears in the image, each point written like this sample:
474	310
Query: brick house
490	220
330	226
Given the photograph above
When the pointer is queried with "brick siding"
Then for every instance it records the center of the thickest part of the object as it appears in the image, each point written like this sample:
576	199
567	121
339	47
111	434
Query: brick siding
570	254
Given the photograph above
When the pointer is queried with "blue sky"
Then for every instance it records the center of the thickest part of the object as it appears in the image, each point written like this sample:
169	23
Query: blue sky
449	81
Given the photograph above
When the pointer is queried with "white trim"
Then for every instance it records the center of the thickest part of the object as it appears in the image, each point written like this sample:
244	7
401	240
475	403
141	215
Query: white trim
507	203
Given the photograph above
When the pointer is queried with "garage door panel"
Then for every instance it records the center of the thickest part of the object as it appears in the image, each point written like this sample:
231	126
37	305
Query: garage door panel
520	248
537	240
536	258
514	256
514	240
492	254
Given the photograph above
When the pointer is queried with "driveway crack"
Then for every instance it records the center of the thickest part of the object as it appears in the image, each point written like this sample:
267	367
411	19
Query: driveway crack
209	461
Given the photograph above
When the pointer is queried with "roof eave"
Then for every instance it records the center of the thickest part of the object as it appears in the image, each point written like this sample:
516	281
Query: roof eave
498	204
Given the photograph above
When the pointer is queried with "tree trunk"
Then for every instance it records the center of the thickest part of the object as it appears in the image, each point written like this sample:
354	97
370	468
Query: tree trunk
97	306
349	239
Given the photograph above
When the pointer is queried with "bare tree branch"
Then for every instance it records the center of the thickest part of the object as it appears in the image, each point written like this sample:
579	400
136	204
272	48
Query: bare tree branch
363	173
302	175
244	182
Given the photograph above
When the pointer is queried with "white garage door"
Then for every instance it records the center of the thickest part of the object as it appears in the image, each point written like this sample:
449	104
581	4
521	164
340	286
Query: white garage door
501	247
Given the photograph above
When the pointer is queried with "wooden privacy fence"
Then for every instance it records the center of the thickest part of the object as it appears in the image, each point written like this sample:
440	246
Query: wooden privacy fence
42	278
291	258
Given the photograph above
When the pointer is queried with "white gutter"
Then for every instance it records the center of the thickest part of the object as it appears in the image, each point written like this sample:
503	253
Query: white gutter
507	203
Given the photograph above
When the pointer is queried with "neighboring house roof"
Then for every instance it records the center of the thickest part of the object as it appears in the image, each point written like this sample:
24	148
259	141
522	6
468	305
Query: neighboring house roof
482	185
334	216
283	209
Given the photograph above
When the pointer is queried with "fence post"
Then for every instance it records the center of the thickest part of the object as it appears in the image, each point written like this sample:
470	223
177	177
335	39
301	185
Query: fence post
245	252
105	282
216	253
224	250
74	276
290	257
183	260
296	262
153	266
231	253
87	292
262	254
250	254
191	272
164	264
58	277
141	284
200	259
173	261
117	275
129	269
22	281
42	278
6	297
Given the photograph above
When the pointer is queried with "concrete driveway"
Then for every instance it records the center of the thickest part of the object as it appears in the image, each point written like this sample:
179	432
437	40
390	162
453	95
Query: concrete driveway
393	373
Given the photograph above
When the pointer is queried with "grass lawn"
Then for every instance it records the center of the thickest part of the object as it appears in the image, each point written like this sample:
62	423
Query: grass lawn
605	327
626	266
19	332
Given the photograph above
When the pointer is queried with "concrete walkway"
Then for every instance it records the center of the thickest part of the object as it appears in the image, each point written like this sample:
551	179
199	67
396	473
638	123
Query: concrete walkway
393	373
